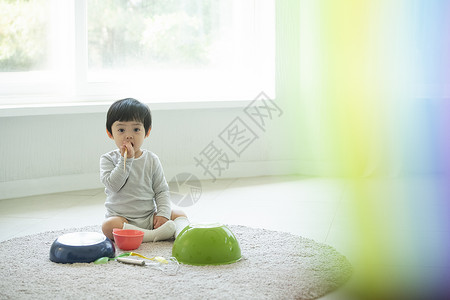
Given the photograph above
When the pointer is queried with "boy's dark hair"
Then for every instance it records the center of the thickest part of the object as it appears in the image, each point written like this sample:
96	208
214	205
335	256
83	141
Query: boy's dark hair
129	109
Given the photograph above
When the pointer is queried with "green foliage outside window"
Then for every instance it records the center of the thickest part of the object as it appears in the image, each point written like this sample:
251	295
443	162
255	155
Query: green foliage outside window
23	35
151	33
121	34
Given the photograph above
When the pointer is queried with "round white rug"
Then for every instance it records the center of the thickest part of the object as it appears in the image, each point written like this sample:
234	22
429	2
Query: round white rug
276	265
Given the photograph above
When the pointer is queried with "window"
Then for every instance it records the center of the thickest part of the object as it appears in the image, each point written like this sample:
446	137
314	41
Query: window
157	51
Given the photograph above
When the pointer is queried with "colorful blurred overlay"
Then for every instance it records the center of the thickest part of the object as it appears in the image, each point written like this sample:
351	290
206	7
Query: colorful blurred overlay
374	78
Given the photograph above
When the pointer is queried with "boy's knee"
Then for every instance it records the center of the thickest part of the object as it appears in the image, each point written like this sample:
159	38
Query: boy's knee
111	223
177	213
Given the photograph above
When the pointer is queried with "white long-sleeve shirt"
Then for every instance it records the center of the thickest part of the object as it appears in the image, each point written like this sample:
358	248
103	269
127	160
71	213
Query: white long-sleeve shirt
139	190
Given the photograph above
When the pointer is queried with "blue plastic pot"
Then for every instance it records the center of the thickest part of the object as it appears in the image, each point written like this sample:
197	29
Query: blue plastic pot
81	247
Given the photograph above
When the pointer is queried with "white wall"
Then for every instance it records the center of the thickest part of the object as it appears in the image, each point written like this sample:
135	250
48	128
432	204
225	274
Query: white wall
43	154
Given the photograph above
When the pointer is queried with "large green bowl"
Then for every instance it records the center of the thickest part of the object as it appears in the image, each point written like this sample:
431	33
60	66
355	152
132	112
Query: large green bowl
206	244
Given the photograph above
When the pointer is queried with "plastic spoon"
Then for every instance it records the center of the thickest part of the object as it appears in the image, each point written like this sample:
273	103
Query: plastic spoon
101	261
105	260
131	261
159	259
169	267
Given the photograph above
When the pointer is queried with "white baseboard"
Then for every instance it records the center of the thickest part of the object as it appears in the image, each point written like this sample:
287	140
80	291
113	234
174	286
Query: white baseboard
49	185
66	183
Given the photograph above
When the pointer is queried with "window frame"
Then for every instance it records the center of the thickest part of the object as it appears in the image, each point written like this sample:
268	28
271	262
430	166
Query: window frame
68	83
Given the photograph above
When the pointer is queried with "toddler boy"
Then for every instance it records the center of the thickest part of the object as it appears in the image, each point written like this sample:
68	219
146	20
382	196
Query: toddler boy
137	194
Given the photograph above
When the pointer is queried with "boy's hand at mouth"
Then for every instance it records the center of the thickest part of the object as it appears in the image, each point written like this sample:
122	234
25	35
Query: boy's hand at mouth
130	150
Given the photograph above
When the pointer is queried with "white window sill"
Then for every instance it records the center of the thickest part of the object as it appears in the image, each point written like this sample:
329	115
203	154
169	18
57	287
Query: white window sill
102	107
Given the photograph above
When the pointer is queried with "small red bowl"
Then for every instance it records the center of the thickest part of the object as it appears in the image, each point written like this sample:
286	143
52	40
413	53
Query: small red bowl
128	239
